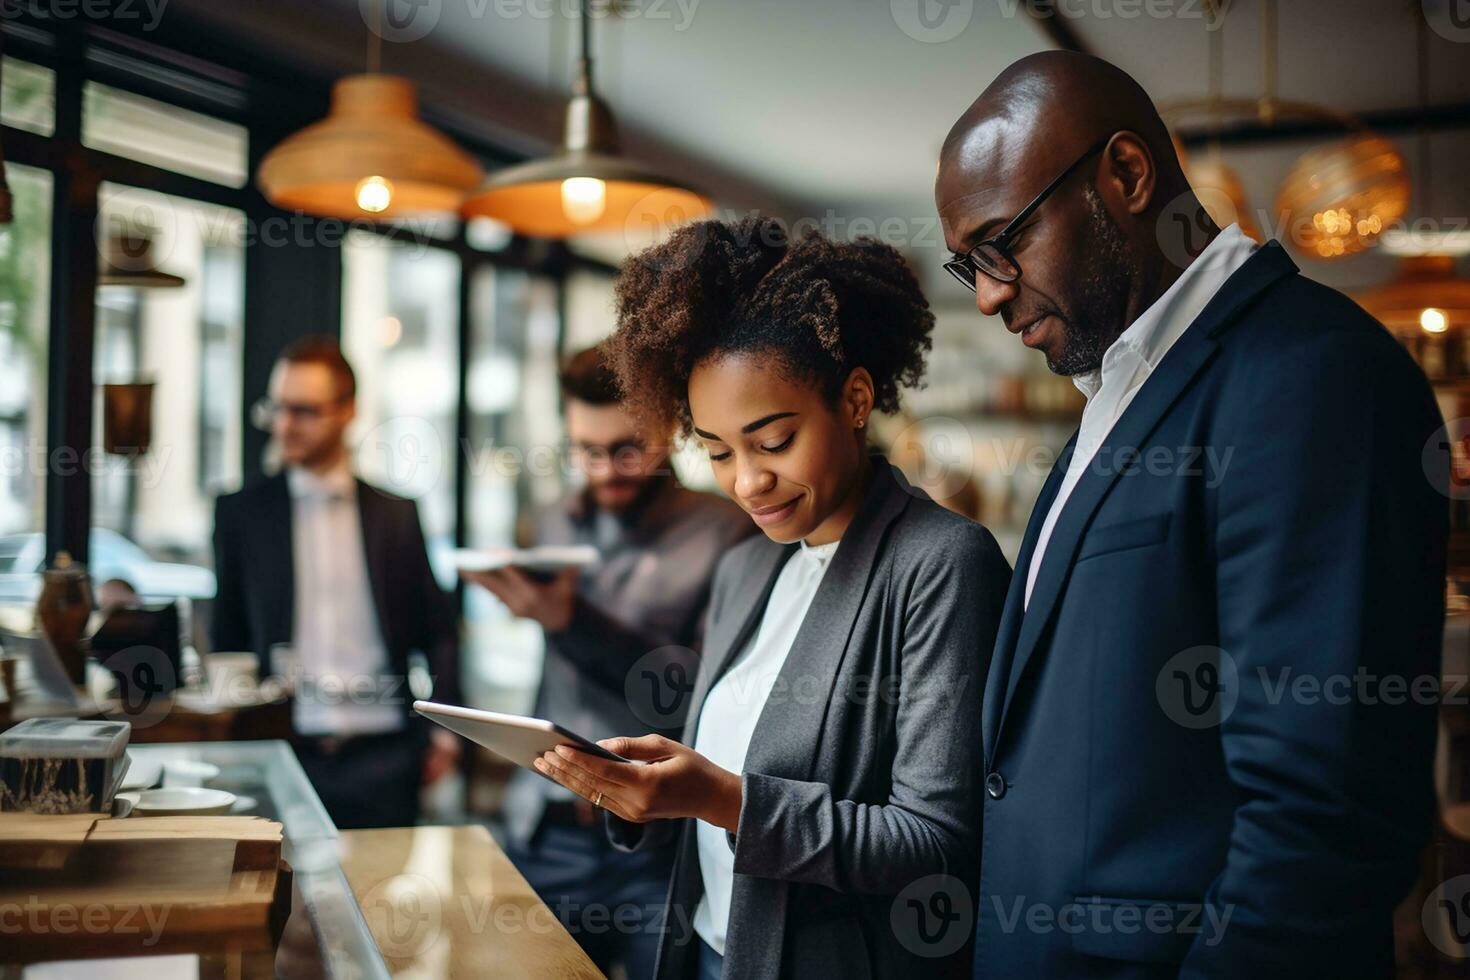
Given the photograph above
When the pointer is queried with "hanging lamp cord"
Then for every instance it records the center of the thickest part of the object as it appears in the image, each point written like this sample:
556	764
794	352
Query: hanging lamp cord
375	40
583	85
1269	57
1425	184
1216	71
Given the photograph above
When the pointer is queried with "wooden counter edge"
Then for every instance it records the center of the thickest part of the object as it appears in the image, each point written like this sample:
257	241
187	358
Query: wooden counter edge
437	900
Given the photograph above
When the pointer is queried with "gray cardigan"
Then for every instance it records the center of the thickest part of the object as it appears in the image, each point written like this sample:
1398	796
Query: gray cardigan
862	780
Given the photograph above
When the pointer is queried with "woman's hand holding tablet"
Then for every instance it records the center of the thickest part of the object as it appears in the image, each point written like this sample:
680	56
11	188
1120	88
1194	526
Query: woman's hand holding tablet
672	781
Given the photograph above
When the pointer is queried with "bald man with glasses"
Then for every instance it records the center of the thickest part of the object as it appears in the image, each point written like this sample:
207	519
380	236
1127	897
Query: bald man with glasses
1255	496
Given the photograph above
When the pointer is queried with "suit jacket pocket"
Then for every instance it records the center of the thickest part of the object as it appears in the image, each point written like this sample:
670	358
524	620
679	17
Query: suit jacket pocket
1125	536
1140	930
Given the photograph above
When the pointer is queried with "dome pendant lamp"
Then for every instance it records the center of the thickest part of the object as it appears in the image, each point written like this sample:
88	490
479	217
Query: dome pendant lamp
586	186
372	157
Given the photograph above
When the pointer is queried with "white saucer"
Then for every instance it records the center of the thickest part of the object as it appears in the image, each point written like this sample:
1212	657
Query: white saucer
180	801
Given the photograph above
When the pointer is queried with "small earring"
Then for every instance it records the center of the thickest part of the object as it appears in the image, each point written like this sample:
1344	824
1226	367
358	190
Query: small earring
861	423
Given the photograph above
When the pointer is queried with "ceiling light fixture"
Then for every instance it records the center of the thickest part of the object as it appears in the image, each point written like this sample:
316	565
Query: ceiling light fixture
586	186
371	157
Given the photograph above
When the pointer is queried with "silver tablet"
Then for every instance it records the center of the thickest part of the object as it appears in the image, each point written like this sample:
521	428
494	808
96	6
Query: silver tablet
518	738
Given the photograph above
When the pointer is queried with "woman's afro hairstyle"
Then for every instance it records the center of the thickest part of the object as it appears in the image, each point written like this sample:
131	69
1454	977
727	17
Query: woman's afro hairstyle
816	307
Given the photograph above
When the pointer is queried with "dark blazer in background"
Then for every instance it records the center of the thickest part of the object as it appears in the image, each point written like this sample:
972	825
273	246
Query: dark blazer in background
863	775
1313	545
255	604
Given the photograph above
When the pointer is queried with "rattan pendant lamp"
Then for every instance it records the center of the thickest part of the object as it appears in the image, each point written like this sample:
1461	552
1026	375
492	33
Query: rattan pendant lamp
586	186
372	157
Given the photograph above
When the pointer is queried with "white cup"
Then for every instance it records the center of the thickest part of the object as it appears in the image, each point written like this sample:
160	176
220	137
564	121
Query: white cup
232	676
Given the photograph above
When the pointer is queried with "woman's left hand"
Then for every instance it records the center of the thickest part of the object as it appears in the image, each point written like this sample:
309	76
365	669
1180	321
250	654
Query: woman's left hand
675	781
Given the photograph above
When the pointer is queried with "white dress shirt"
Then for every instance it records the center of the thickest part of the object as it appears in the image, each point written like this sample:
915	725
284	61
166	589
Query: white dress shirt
731	710
336	638
1131	360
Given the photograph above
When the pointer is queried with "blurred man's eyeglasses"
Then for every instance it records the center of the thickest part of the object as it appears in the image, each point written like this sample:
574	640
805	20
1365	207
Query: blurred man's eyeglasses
993	256
264	412
592	453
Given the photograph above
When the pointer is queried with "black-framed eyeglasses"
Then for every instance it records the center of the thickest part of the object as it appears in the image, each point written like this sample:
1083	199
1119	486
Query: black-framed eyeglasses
993	256
624	450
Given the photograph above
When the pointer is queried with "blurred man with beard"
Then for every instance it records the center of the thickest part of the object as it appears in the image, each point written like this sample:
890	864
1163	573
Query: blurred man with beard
620	642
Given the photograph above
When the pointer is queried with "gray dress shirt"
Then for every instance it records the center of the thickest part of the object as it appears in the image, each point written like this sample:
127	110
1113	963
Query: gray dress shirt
626	664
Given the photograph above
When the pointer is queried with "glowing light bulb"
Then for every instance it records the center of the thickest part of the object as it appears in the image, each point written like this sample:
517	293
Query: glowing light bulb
374	194
583	199
392	330
1433	320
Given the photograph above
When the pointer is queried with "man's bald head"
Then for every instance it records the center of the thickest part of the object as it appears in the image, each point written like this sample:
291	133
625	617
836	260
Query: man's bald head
1050	106
1089	257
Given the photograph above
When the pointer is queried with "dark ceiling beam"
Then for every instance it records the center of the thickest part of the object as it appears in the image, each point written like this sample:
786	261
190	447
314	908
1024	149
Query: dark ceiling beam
1055	25
1386	121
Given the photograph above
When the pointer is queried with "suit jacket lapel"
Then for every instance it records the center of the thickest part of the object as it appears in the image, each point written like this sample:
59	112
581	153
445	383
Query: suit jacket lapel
790	727
376	549
276	544
1015	607
1169	380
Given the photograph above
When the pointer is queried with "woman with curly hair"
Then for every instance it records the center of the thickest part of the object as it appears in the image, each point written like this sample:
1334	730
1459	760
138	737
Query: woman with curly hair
827	796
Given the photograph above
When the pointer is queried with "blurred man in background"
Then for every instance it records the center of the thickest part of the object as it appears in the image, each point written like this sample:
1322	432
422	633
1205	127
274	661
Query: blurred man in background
316	559
620	638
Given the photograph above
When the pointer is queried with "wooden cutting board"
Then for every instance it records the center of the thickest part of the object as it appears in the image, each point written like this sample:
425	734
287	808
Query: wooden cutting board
102	887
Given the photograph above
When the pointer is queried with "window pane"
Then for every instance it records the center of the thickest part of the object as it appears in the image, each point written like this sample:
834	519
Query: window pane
515	466
28	97
222	318
400	331
591	309
165	136
152	512
25	276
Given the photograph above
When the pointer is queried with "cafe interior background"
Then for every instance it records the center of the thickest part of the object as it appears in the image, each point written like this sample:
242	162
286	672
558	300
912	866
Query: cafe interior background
151	271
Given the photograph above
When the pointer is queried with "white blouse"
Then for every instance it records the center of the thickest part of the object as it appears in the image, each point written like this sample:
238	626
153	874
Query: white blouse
731	710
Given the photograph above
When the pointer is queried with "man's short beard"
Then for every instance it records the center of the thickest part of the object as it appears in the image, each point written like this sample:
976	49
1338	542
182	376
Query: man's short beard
1102	280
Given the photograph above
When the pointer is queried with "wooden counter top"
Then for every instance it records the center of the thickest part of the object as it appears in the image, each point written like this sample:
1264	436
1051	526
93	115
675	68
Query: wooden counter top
447	902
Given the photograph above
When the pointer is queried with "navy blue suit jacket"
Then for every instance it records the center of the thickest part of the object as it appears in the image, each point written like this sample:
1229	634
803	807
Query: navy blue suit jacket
1208	739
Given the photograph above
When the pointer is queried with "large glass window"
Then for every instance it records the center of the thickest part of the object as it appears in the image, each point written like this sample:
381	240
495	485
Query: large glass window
515	465
165	136
168	343
25	276
400	331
